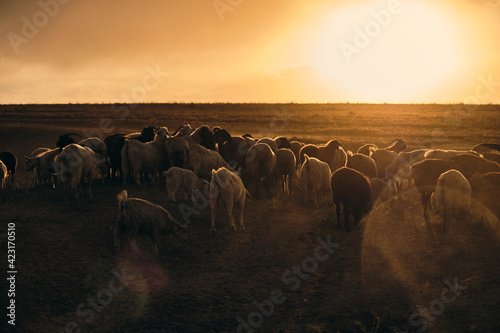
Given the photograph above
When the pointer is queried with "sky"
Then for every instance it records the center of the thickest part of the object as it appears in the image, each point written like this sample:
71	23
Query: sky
389	51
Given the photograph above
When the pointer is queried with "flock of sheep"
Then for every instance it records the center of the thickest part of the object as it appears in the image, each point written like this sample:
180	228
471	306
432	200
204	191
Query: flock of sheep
212	162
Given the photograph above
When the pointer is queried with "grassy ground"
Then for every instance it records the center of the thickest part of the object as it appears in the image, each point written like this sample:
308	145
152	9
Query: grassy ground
381	274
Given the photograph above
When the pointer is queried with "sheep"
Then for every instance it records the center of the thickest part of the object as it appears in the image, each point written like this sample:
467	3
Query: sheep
177	150
446	154
381	190
96	144
185	181
295	147
425	174
285	169
282	142
233	149
339	160
486	148
383	158
201	161
324	153
3	175
203	136
261	163
270	142
38	151
228	186
115	142
399	170
10	161
183	131
65	140
494	157
452	197
144	158
362	163
315	178
45	165
469	165
367	149
78	167
396	146
485	190
250	139
353	190
141	217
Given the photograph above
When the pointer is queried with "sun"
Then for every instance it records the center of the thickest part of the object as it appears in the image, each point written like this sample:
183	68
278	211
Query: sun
389	51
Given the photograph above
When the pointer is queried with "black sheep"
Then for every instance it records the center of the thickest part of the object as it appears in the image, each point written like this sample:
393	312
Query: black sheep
10	161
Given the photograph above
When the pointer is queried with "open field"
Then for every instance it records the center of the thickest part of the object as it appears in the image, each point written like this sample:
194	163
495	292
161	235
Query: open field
374	279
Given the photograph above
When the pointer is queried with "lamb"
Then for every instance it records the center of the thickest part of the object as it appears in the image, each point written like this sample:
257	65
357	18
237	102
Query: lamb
383	158
144	158
96	144
78	167
452	197
10	161
269	142
353	190
425	174
487	148
362	163
183	181
141	217
285	169
469	165
295	147
3	175
202	160
315	178
324	153
227	186
261	163
367	149
446	154
44	165
485	190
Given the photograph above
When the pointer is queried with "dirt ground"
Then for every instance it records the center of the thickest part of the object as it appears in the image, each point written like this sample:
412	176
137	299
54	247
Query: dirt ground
290	270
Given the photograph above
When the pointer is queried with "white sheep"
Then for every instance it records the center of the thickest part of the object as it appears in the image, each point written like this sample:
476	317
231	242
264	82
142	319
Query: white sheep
96	144
44	165
78	167
315	176
202	161
182	181
452	197
144	158
141	217
228	186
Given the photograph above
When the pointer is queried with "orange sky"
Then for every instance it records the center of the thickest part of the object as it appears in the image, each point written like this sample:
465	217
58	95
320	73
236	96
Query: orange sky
60	51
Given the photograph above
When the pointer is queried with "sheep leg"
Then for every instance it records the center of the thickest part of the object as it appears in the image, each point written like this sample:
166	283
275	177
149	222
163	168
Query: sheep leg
229	207
337	206
346	218
242	208
213	205
445	222
425	203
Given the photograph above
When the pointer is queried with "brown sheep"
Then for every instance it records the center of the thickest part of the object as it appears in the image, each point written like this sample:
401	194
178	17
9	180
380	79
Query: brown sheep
353	190
494	157
425	174
324	153
261	164
469	165
485	190
487	148
295	147
285	169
